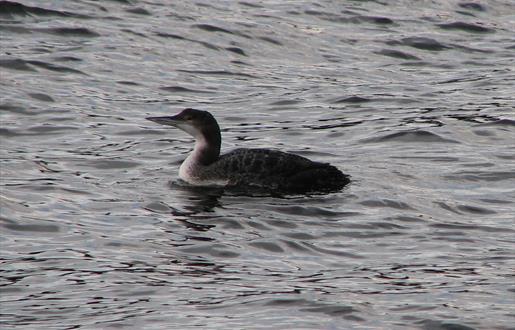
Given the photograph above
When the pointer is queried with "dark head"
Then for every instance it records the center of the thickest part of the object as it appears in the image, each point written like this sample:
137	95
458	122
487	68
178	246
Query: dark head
199	124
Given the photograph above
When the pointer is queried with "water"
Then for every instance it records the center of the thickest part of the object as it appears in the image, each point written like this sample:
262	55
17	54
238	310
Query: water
413	99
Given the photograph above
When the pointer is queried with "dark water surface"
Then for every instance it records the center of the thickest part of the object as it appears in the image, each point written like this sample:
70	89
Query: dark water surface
414	99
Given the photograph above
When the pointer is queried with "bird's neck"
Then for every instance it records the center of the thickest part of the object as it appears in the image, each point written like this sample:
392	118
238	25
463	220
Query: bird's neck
207	147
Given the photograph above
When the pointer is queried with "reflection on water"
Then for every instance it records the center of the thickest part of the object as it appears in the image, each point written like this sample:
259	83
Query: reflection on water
414	102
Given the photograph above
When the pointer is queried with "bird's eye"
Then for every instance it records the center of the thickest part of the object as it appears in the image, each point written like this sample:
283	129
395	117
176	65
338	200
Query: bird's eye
187	118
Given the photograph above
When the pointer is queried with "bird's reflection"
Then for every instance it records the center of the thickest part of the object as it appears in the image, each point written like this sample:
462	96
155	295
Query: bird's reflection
197	202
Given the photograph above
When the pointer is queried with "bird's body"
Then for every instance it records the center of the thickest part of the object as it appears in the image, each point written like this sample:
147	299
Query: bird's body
262	168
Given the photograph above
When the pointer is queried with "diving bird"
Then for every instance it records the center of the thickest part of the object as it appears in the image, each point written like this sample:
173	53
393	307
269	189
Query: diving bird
261	168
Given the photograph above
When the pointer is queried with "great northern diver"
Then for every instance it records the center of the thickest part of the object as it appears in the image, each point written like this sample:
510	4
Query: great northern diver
263	168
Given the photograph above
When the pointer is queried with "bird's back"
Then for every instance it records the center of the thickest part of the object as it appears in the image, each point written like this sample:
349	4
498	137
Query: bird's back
277	170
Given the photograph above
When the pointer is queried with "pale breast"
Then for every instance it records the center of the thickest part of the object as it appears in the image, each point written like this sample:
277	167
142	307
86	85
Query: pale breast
194	173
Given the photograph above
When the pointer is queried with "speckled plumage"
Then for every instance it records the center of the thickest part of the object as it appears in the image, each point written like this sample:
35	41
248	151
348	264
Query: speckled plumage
276	170
263	168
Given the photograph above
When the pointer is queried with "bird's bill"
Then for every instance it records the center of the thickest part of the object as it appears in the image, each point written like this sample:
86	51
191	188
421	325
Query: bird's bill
166	120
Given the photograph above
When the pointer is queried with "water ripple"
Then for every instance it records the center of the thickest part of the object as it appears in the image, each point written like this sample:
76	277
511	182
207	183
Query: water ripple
414	102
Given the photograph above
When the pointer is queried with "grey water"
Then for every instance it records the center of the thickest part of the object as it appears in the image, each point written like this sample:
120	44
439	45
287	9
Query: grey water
413	99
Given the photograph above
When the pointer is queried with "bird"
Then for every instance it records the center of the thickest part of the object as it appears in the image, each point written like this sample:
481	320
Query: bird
266	169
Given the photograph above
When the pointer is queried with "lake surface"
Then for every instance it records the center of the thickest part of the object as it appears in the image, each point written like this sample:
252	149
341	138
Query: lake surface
413	99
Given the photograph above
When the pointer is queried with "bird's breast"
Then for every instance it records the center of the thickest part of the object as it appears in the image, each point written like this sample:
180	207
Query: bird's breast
195	173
